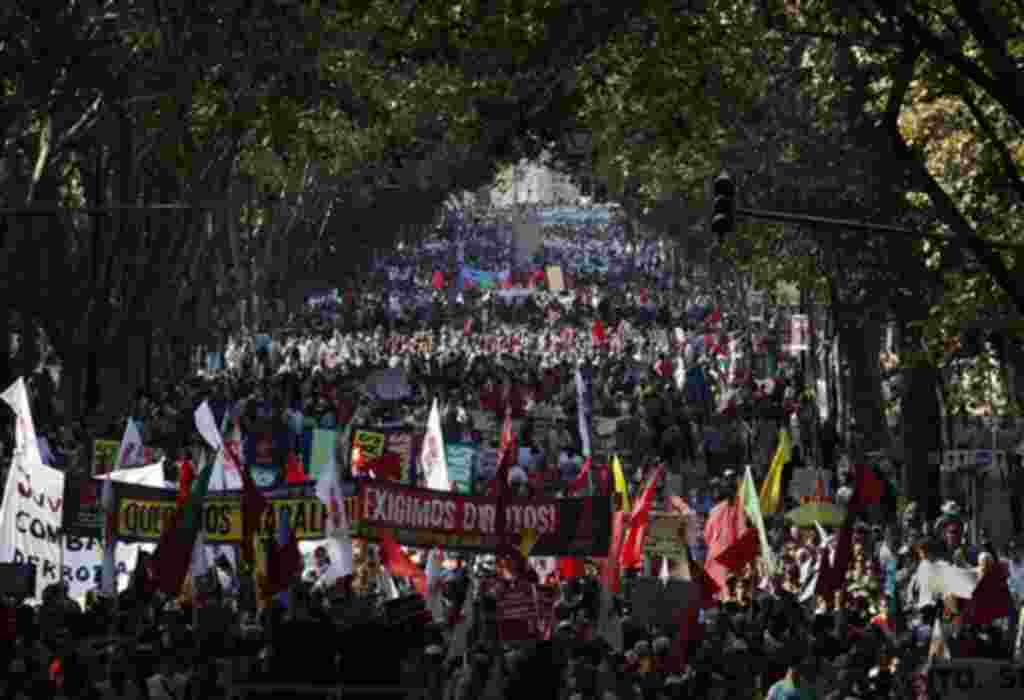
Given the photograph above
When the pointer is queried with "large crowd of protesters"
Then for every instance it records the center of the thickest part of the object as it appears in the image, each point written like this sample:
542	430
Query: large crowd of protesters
685	380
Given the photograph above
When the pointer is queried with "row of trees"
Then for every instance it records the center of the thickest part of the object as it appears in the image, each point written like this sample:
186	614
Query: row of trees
890	112
172	160
299	136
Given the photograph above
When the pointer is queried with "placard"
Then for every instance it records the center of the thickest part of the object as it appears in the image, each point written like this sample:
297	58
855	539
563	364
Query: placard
556	281
104	456
518	614
462	461
82	513
369	443
666	536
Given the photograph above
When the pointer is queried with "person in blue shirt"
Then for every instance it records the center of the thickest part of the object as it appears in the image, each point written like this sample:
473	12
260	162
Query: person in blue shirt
793	686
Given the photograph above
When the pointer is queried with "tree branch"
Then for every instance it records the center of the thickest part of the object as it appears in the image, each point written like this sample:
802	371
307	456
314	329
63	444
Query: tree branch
952	55
999	61
1009	164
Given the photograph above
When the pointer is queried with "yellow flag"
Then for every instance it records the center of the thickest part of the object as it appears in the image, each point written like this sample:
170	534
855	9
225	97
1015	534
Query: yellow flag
771	488
529	538
621	490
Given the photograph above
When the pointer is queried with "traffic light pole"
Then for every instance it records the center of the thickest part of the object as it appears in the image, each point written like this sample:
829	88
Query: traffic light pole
854	225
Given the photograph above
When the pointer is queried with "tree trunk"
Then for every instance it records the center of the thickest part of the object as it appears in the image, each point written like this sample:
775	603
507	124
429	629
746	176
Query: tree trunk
860	342
921	436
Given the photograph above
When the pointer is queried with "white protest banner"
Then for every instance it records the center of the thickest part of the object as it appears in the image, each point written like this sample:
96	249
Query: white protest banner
30	519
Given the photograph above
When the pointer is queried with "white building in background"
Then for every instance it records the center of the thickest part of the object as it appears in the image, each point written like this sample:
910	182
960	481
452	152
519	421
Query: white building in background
532	183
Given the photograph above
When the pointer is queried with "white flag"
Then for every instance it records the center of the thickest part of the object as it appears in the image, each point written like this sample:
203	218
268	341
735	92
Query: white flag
226	475
339	538
433	459
132	452
25	442
583	412
207	427
665	575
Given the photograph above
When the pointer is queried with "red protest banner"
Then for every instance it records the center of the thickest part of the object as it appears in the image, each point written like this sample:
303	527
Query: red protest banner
422	517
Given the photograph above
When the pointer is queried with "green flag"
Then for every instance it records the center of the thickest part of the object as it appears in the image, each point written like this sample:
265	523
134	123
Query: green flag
173	555
752	508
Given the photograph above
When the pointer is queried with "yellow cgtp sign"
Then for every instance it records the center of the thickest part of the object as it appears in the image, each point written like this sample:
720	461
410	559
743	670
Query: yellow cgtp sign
144	519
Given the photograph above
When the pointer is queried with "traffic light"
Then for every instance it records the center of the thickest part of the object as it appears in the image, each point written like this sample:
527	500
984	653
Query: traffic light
723	207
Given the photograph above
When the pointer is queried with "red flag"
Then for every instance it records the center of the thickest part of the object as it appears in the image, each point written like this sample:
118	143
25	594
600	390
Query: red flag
437	280
598	333
991	600
570	568
294	473
836	571
610	571
186	475
284	559
398	564
582	479
507	456
639	520
725	525
741	552
254	504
